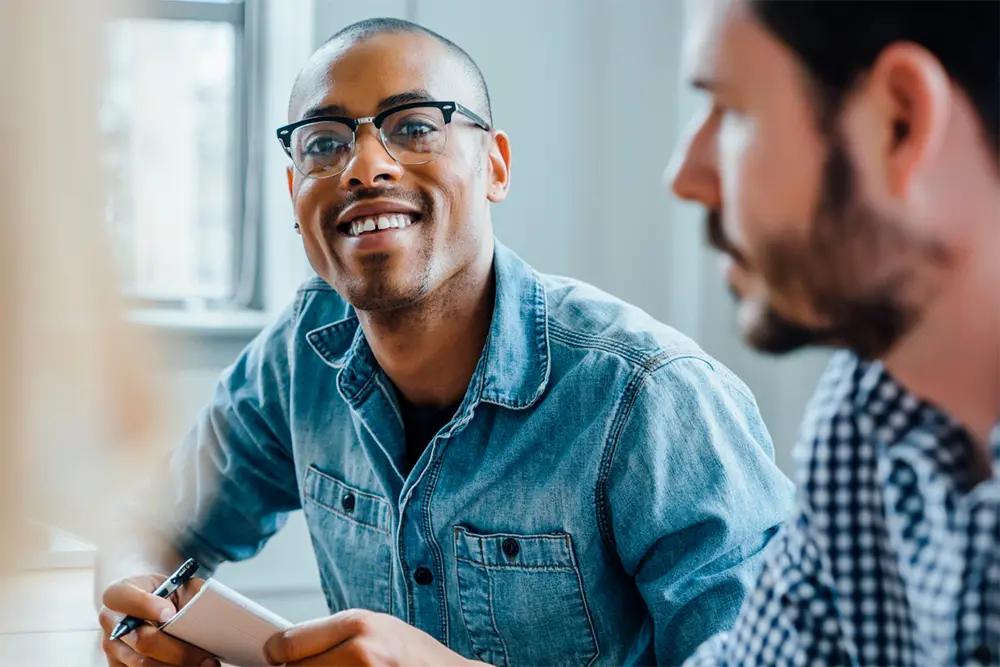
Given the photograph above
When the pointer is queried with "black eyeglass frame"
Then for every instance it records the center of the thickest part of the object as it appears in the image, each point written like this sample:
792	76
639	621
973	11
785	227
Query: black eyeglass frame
447	110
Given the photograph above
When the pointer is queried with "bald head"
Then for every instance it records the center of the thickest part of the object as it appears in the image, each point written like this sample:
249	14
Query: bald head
357	33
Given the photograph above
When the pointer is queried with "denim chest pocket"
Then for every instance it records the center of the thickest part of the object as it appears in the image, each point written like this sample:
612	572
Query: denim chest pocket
522	599
350	529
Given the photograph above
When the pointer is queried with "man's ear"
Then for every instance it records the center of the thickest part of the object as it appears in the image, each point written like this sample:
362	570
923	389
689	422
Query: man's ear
916	98
291	186
499	163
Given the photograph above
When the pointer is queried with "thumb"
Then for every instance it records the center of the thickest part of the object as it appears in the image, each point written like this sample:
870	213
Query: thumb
132	597
314	637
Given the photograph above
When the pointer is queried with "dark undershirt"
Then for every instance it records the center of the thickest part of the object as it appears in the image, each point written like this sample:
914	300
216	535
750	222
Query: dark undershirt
420	424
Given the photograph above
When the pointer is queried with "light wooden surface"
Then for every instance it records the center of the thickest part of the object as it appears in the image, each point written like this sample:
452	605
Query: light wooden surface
49	649
47	618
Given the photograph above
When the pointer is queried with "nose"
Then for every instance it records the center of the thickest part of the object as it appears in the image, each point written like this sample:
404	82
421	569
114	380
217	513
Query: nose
693	173
370	165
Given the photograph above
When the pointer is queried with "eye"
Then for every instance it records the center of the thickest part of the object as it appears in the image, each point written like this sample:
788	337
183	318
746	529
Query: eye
322	145
414	128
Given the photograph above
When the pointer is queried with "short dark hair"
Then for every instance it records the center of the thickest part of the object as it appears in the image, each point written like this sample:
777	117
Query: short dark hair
383	26
838	41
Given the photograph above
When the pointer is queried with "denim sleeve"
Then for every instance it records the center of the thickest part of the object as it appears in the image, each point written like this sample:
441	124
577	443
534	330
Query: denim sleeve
693	497
766	632
232	481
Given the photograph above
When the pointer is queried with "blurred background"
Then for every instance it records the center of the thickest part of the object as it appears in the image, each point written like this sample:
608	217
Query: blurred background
201	226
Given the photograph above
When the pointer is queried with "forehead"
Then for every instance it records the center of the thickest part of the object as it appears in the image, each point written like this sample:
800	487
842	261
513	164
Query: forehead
702	31
358	75
724	43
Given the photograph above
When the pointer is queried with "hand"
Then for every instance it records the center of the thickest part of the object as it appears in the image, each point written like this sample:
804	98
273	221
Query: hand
361	638
147	646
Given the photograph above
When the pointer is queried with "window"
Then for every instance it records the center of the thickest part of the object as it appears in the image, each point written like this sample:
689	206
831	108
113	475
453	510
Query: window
175	118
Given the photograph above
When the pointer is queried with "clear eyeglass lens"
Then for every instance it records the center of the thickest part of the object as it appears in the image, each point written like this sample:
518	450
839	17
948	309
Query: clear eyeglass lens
323	147
414	136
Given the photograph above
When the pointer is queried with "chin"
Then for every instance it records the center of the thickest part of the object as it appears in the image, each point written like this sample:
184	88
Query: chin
381	293
767	331
374	300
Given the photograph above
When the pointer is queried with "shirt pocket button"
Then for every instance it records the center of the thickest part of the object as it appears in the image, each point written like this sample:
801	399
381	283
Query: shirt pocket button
348	502
511	548
423	576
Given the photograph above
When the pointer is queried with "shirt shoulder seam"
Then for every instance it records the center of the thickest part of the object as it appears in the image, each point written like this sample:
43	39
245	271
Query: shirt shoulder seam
622	413
649	359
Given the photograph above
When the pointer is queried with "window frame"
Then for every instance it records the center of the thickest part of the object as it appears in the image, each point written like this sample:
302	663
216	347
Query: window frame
245	271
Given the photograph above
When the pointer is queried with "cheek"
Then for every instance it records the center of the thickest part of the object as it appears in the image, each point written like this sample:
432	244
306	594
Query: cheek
455	191
749	191
770	179
305	201
736	174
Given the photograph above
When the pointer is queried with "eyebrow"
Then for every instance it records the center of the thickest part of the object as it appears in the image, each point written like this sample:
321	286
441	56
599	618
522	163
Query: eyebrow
707	85
415	95
326	110
711	86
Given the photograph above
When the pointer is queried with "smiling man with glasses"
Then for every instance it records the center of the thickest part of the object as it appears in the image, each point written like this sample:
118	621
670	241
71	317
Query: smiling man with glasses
494	465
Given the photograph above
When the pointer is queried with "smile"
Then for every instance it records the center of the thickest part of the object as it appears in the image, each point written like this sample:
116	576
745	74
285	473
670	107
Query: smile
379	223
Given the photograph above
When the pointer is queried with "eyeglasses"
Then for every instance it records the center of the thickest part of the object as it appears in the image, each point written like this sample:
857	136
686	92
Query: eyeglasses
413	133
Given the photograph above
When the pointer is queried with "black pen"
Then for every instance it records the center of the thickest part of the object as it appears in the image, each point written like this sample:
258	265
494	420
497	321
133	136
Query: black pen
165	590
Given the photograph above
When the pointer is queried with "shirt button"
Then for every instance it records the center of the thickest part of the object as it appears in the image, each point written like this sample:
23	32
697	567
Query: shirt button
347	502
982	655
423	576
511	547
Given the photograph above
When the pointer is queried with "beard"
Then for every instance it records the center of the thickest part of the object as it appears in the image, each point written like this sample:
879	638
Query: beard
389	281
855	269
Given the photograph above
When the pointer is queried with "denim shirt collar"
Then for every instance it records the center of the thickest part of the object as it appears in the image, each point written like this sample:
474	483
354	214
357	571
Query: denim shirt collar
513	370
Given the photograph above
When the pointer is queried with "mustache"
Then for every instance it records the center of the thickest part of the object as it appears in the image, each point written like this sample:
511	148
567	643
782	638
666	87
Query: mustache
331	215
717	239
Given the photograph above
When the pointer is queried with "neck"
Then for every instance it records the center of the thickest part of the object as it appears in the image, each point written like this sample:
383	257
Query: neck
430	350
952	358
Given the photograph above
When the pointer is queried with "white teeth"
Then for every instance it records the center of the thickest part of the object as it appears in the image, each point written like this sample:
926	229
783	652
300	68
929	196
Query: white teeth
391	221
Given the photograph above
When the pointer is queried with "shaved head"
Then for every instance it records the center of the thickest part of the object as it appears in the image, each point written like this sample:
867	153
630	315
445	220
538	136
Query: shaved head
362	31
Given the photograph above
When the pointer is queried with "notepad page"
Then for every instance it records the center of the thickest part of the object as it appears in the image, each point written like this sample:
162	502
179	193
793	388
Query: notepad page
226	624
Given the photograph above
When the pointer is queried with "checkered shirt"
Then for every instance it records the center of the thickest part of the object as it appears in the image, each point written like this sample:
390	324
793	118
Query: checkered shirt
894	555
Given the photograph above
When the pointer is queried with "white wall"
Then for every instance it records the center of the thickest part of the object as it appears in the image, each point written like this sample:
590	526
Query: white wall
590	93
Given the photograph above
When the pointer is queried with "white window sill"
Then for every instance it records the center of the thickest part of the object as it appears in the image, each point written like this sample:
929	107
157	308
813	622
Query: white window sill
224	323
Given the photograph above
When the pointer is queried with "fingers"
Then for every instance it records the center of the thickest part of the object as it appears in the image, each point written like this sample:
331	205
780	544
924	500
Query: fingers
112	662
121	654
153	652
146	642
153	643
351	653
325	660
316	637
187	591
131	597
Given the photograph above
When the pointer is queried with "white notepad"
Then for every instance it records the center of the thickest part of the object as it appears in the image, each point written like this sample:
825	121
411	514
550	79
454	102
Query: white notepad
228	625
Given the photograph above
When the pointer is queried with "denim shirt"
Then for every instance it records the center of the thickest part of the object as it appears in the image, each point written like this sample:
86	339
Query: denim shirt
602	495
